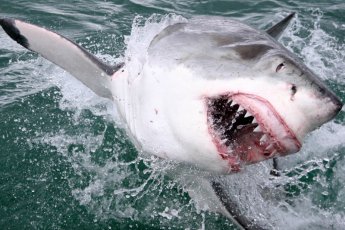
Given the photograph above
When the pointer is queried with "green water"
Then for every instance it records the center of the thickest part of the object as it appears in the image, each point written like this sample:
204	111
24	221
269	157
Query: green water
65	162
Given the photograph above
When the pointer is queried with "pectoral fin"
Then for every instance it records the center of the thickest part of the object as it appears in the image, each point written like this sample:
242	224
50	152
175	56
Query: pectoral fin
63	52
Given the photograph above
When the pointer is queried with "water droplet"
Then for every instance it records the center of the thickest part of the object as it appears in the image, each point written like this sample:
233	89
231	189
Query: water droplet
325	193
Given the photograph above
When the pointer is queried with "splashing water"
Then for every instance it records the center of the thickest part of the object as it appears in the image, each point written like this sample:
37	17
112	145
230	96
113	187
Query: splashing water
118	186
112	181
110	178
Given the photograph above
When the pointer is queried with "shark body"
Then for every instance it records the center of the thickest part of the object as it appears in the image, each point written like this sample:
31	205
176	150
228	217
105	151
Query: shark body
210	92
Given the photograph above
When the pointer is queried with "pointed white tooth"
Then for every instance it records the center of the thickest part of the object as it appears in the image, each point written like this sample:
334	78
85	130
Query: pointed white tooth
270	153
257	129
240	108
254	121
264	138
247	114
270	147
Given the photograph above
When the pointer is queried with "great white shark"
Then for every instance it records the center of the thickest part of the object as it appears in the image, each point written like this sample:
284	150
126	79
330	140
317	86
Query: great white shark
210	91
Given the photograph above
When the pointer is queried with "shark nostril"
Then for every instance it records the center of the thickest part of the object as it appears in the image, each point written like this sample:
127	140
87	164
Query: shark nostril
322	91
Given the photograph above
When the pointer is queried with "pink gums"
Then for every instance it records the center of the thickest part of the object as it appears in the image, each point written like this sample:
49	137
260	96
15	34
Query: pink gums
249	149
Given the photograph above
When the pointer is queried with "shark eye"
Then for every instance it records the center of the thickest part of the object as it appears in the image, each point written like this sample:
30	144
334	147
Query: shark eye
280	67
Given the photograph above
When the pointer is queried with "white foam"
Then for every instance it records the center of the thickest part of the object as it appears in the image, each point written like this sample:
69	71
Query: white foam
320	51
143	32
22	78
254	191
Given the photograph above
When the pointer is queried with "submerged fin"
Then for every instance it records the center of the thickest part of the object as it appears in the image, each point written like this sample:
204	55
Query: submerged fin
241	221
277	30
63	52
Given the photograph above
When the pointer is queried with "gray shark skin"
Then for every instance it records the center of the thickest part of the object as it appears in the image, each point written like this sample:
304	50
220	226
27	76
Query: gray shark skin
209	91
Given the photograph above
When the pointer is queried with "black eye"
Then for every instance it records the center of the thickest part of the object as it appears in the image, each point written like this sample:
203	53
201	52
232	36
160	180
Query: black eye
280	67
293	89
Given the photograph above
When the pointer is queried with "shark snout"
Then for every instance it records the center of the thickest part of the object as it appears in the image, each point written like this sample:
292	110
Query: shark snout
338	104
329	103
334	100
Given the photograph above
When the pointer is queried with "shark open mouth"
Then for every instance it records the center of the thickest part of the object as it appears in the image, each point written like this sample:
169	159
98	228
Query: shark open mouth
247	129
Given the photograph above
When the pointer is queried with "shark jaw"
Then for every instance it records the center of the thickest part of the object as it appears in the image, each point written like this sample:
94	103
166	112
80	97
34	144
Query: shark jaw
246	129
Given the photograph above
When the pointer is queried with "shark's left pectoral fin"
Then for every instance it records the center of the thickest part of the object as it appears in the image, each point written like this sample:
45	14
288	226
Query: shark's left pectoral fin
63	52
233	209
277	30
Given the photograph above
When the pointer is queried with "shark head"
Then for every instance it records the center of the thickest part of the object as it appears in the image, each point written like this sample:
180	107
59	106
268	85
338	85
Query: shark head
242	96
268	111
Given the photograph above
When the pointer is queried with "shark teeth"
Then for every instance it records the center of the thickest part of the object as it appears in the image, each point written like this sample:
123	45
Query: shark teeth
270	150
264	138
248	114
270	147
240	108
231	123
257	129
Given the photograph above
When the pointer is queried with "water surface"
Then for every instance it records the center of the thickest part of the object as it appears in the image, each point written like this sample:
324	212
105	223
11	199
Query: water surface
66	163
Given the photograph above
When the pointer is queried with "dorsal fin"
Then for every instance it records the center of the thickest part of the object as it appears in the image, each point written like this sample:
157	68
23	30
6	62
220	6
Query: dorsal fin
65	53
276	30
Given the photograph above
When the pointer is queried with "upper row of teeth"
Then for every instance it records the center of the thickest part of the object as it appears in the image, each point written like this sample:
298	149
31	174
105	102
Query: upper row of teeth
257	129
264	137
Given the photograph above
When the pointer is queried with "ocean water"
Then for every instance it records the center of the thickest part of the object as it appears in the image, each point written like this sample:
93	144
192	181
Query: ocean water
66	163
